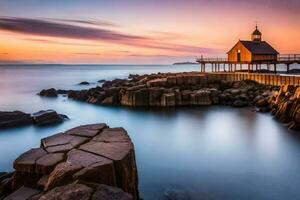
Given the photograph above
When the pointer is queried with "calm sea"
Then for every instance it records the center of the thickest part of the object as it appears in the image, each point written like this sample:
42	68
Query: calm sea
215	153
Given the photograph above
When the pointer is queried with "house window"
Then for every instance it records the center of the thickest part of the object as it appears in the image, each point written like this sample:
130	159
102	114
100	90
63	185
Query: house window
239	55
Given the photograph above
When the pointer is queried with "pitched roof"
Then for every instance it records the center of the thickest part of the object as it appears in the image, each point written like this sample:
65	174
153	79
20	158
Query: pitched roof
259	47
256	32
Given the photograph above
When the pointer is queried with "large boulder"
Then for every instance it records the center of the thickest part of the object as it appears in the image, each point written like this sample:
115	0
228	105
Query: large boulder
90	154
13	119
47	117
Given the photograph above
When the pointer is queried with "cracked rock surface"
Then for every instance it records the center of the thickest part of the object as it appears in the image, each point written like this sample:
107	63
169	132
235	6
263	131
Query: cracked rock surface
86	162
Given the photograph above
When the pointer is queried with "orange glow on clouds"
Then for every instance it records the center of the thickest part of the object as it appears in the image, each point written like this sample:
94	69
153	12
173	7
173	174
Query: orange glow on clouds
140	35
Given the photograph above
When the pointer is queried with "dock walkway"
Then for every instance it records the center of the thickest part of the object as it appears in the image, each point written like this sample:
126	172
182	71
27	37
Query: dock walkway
220	64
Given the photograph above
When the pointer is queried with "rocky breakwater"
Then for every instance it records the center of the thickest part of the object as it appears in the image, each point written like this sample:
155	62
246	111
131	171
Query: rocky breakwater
284	104
172	89
91	162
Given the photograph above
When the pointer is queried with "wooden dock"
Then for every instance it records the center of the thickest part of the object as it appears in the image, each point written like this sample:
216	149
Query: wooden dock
223	65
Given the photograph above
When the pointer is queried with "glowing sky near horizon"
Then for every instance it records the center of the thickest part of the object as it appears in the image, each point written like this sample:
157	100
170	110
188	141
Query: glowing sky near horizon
137	31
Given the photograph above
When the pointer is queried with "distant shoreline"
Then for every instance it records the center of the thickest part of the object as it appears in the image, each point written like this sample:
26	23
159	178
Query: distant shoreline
185	63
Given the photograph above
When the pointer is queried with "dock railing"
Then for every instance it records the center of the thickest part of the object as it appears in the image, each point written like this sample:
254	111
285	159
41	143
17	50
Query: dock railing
280	58
288	57
201	59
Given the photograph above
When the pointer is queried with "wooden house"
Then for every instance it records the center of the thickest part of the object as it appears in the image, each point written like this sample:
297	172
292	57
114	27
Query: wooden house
252	51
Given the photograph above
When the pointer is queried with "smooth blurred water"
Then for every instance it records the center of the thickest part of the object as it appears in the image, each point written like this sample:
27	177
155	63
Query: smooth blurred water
210	153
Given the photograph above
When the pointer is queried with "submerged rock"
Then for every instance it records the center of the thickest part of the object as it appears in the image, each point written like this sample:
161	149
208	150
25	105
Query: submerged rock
84	83
176	193
14	119
101	81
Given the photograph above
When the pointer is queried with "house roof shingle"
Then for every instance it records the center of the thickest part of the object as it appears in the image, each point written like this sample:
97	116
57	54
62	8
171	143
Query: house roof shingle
259	47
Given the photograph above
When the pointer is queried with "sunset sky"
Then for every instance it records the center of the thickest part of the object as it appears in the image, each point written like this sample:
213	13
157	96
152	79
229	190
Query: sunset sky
139	31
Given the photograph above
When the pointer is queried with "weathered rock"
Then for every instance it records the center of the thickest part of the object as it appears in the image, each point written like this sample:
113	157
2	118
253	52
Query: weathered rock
42	182
13	119
24	179
5	186
168	100
186	97
90	130
69	192
123	156
201	97
81	161
27	161
62	141
46	163
108	101
155	96
46	117
49	93
110	193
62	175
23	193
157	83
112	135
100	172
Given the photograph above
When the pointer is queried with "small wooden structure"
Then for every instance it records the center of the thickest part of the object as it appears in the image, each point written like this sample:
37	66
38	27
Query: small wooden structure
253	53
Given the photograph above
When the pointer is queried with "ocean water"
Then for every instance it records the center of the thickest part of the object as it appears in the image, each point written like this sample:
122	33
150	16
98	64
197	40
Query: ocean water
192	153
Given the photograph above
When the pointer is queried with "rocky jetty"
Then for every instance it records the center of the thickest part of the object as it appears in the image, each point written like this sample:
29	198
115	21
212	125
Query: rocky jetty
91	162
18	118
173	89
196	89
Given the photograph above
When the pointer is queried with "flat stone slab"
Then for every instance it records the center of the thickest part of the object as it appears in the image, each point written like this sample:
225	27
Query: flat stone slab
87	130
69	192
85	159
26	162
115	150
23	193
110	193
59	148
63	139
112	135
46	163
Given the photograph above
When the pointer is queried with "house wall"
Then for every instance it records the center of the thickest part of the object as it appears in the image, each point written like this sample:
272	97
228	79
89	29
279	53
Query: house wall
246	55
